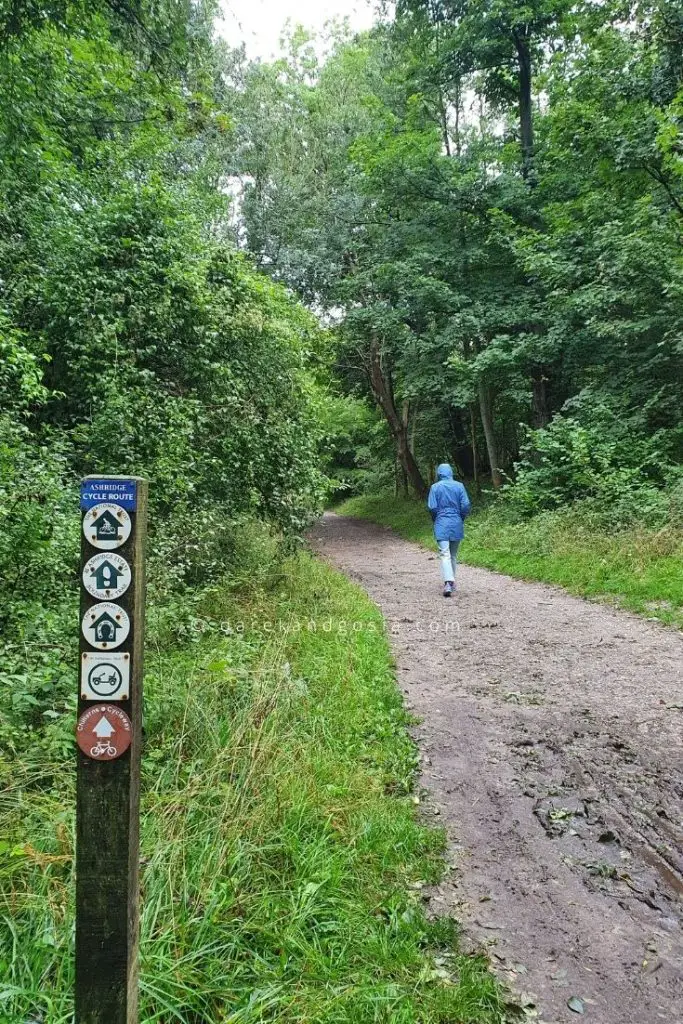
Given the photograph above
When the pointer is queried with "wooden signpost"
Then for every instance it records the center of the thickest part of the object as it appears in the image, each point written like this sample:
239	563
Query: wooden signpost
109	735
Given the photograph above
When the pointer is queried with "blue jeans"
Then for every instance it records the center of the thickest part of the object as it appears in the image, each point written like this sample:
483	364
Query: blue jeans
448	552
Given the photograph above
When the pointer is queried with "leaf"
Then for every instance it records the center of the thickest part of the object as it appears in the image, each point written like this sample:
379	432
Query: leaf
576	1005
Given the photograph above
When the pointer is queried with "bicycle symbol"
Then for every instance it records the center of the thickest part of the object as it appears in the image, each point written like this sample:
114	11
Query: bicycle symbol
103	749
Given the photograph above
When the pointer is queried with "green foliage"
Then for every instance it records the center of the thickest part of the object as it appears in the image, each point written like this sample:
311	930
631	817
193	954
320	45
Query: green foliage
356	445
492	209
164	335
283	861
133	337
38	529
569	463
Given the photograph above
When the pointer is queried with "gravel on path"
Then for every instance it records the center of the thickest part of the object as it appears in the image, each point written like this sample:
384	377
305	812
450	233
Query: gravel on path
552	752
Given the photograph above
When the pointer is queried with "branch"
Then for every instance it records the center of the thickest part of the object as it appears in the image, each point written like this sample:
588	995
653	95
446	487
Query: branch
124	10
657	175
449	61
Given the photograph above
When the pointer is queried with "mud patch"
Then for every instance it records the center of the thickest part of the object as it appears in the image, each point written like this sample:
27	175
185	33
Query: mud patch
552	751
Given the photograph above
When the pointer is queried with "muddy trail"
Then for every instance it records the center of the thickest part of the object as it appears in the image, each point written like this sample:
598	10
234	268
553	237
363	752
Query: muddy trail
552	748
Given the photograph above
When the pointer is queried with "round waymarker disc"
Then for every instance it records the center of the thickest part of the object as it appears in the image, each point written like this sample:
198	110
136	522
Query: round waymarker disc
105	626
104	732
106	526
106	576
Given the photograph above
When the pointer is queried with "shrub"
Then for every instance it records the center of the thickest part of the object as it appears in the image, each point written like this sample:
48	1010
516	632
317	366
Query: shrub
623	478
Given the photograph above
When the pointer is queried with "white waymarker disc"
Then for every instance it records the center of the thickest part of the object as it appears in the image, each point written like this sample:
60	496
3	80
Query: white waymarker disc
105	626
106	576
106	526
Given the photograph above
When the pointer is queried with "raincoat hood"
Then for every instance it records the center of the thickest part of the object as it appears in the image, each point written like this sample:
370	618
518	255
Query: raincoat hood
444	472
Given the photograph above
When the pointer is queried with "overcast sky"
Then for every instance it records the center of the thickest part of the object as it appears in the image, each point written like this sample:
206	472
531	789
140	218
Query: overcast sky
258	23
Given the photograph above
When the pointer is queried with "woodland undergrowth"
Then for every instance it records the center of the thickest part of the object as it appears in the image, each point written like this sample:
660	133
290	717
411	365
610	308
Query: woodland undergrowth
284	861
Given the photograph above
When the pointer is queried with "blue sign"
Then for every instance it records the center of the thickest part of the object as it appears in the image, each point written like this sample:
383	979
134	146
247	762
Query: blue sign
114	492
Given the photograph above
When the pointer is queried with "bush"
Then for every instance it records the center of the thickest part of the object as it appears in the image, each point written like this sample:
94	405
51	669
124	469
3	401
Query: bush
357	449
38	529
622	479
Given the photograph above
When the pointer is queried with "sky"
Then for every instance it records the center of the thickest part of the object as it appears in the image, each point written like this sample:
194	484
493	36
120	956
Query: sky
258	23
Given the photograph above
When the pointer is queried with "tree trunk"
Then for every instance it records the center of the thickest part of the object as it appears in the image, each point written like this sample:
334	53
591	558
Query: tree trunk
404	483
486	411
443	106
458	147
475	450
443	115
400	478
383	392
526	124
411	422
541	411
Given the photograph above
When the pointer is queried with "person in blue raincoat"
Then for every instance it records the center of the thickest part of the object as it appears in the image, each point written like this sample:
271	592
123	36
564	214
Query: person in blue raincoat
449	505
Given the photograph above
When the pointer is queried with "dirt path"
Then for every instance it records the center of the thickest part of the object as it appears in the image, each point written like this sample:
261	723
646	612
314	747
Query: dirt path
552	743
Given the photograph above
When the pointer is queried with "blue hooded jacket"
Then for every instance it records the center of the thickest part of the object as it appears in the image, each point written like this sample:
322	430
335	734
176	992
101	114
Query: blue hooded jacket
449	504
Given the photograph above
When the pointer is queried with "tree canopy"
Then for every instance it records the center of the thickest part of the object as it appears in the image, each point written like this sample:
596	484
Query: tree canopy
134	334
487	197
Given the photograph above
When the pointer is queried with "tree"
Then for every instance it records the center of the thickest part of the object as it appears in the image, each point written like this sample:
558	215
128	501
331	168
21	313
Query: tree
397	202
131	327
505	42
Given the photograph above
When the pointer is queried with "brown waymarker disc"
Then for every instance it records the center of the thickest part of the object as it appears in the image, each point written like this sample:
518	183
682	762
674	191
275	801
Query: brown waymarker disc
104	732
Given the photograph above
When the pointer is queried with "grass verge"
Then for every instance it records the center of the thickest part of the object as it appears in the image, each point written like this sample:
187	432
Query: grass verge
633	568
282	857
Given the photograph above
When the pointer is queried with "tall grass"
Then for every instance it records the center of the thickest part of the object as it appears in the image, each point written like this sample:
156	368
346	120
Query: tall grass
633	568
281	848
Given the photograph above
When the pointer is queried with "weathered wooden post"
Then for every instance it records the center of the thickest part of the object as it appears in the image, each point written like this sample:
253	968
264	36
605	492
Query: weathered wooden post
109	733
